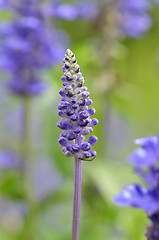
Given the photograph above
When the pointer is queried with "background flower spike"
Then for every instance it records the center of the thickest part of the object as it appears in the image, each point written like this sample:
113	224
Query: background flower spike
145	161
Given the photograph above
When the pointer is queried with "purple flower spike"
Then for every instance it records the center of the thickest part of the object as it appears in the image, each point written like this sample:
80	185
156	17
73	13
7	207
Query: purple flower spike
28	45
146	162
135	19
76	121
75	113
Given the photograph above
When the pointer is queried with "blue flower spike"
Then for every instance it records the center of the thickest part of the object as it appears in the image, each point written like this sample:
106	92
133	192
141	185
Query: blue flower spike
76	121
146	164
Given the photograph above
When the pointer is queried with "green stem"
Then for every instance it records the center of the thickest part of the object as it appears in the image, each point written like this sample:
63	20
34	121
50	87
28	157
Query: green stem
26	151
25	155
26	120
76	199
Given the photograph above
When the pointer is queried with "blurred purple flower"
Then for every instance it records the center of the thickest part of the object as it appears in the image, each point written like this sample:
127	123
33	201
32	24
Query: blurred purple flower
29	44
145	161
72	11
135	18
135	25
9	160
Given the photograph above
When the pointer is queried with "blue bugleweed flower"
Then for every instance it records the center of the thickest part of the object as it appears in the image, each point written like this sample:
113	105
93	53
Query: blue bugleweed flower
29	43
135	18
146	165
74	112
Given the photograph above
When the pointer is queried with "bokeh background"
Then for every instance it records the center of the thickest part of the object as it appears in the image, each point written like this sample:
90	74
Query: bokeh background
116	44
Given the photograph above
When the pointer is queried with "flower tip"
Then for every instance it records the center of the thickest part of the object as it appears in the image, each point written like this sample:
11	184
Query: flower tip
69	53
68	50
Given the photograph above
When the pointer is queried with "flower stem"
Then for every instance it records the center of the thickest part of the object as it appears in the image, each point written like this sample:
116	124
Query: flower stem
25	145
25	150
25	136
76	199
25	155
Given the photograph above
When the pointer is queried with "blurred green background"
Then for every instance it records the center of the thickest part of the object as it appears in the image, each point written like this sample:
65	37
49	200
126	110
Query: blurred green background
126	107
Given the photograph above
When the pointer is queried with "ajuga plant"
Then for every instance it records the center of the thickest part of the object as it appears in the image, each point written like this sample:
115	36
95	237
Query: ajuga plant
146	164
76	123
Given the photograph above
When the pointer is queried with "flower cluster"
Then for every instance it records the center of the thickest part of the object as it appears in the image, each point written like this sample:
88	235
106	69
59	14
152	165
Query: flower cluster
73	109
29	43
135	17
146	165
